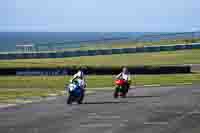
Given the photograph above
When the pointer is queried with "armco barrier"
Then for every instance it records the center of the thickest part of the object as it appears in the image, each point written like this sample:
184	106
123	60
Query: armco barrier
139	70
188	46
69	54
4	56
180	47
106	51
82	53
34	55
19	56
117	51
52	55
152	49
173	47
196	46
92	52
139	49
129	50
59	55
99	52
11	56
28	55
95	70
166	48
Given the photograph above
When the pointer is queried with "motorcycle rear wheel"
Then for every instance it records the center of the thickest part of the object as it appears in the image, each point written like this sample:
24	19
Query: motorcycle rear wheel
80	100
116	92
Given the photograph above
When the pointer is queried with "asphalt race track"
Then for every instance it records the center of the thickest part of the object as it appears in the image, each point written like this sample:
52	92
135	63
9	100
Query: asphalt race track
146	110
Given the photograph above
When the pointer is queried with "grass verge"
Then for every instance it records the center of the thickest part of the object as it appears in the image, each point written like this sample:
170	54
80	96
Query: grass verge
13	87
139	59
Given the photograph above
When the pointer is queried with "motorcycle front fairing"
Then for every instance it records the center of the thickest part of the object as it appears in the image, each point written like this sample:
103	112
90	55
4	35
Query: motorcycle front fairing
74	90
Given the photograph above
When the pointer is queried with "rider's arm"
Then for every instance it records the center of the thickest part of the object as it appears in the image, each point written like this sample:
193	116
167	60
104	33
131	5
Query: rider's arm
118	76
74	77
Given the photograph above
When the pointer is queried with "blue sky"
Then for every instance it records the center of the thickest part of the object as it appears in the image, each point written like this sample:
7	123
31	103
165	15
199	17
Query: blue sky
100	15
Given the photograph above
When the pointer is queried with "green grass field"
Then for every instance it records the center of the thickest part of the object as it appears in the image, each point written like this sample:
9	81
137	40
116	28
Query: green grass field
12	87
139	59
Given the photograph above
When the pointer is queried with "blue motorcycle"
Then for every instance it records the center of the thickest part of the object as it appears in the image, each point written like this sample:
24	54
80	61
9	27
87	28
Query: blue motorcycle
76	93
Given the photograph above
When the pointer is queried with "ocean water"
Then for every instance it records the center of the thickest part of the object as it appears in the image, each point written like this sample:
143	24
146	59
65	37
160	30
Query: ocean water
9	40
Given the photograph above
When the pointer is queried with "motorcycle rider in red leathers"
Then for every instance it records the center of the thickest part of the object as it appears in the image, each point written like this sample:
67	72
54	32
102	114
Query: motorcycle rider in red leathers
125	75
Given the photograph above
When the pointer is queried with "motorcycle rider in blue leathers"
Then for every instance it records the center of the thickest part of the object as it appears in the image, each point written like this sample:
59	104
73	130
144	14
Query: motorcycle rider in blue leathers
80	77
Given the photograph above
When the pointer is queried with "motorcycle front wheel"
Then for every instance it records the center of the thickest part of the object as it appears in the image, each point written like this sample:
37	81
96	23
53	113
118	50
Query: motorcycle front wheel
80	100
70	99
